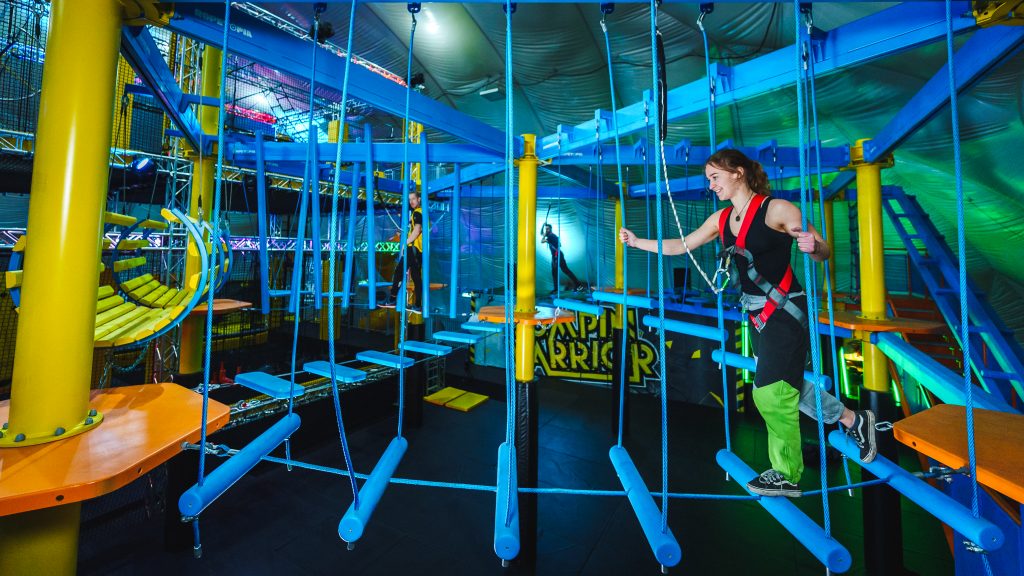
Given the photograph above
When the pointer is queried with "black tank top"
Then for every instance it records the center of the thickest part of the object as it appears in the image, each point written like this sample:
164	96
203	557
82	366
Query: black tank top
770	248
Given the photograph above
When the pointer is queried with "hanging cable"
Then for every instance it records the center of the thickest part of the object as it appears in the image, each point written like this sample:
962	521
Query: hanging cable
510	257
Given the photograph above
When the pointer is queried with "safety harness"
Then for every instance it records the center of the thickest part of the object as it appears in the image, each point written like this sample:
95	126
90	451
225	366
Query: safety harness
776	297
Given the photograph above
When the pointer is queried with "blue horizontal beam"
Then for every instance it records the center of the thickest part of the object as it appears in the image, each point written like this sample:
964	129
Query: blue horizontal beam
498	192
828	551
142	53
199	496
770	155
947	385
750	364
506	506
628	299
578	306
266	44
950	512
245	153
902	27
698	183
354	522
663	542
984	51
688	328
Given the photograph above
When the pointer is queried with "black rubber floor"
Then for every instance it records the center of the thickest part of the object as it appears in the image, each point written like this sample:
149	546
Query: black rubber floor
279	522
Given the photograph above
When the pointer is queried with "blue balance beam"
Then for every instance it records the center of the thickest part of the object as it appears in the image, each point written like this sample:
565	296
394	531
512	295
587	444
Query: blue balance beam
577	306
354	522
270	385
666	548
939	380
750	364
829	552
344	374
627	299
425	348
384	359
483	327
688	328
506	538
952	513
457	337
194	500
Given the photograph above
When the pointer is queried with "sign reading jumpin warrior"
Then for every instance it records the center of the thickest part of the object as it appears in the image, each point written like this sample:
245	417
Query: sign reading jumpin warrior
583	350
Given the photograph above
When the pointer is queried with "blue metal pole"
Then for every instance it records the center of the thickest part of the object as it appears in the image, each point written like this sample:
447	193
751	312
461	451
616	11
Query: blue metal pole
453	285
350	237
371	233
425	229
261	215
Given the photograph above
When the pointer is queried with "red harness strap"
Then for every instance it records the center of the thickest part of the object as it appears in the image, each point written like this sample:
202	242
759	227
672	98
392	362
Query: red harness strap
777	296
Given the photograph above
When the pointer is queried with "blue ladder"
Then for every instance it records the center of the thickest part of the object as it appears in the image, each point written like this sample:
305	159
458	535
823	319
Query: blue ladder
384	359
268	384
996	357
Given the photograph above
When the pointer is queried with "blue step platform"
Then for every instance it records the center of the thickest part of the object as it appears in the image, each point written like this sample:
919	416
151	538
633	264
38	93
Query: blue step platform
426	348
483	326
457	337
384	359
344	374
629	299
577	306
268	384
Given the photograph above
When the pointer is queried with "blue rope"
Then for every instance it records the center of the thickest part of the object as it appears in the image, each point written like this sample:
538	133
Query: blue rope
824	234
961	243
215	217
333	257
719	298
510	257
810	285
403	292
622	211
659	138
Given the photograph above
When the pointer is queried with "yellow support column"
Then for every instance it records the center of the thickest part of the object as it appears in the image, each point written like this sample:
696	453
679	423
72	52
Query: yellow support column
53	358
526	269
872	265
204	175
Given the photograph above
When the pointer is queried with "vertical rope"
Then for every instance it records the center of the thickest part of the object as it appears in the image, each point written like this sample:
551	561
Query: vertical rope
622	211
510	258
810	288
659	138
961	244
353	197
404	292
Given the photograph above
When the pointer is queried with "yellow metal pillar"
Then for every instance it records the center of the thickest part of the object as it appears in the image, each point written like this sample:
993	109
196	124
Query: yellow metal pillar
204	176
53	358
872	265
526	269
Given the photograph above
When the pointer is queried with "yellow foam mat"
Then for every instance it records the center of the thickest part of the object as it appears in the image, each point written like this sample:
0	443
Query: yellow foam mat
456	399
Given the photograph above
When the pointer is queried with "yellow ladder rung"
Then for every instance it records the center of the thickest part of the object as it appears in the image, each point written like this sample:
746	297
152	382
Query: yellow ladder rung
105	292
20	243
141	292
182	297
165	298
127	331
108	303
118	219
155	295
134	283
153	225
129	263
117	322
108	315
132	244
13	278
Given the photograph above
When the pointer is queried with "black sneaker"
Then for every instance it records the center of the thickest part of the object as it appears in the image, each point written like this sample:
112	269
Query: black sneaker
863	433
771	483
388	302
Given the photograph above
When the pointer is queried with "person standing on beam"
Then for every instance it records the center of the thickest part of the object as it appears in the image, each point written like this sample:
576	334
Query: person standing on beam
414	251
557	259
757	227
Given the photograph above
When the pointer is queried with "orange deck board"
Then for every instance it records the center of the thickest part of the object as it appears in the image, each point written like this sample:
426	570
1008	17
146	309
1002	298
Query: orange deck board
221	306
143	426
851	320
544	315
941	433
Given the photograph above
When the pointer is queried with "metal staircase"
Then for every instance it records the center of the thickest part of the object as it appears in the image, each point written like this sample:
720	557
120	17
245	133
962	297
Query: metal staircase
996	357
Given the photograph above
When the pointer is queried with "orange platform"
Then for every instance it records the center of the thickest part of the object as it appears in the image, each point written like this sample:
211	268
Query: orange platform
851	320
941	433
220	306
143	427
543	315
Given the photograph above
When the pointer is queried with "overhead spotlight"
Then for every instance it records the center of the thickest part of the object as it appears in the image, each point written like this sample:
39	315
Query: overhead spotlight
431	25
143	166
